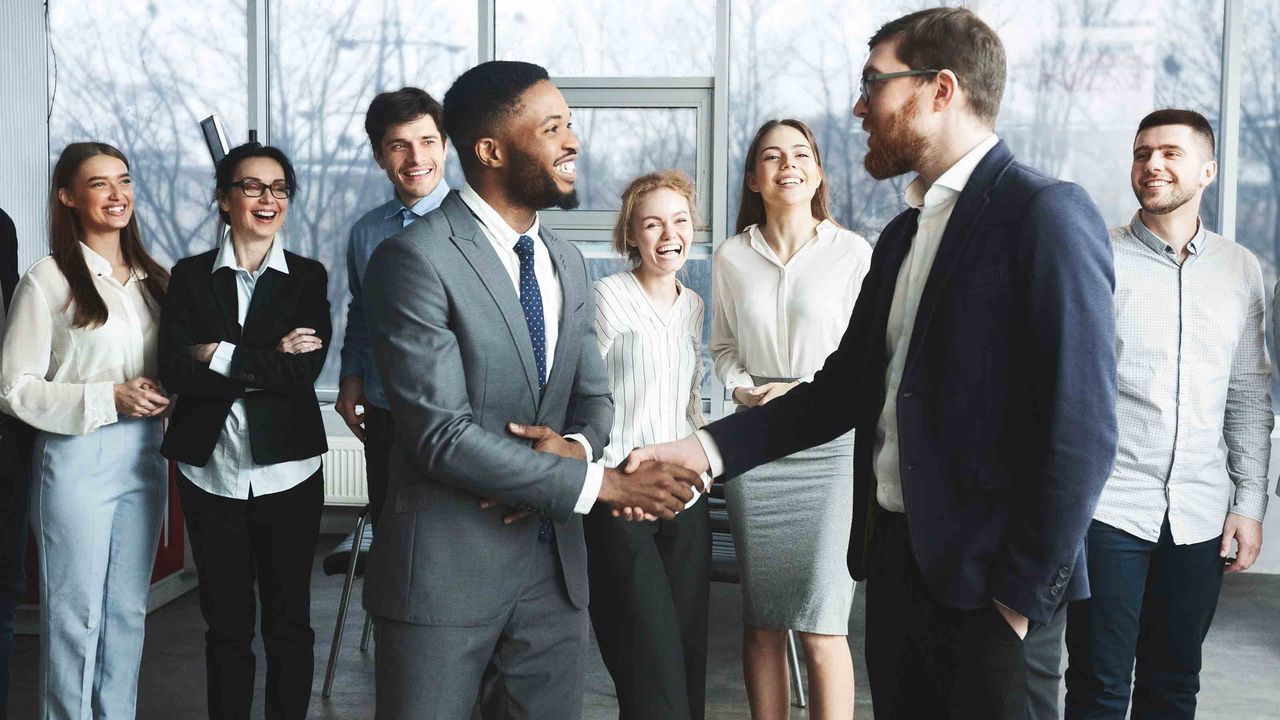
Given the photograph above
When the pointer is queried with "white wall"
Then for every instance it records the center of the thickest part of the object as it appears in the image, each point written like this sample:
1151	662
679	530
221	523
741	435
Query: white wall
24	174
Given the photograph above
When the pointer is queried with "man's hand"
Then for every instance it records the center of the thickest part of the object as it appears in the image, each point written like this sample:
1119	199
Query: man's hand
655	489
1016	620
544	440
761	394
686	452
298	341
1247	533
350	395
548	441
202	353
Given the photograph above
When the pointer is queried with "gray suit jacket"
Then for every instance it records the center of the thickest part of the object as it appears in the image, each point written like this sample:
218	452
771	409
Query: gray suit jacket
451	344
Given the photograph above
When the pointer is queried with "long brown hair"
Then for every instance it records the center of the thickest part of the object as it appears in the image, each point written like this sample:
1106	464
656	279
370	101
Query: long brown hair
66	234
750	204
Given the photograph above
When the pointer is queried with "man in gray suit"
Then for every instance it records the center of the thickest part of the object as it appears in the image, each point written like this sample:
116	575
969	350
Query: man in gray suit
480	318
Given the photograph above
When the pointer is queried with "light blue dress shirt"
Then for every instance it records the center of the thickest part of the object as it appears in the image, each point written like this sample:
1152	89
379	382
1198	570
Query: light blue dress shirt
369	231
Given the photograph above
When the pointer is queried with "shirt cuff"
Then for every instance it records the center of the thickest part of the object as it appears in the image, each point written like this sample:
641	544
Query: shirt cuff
99	405
582	440
714	460
221	360
1252	505
590	488
736	380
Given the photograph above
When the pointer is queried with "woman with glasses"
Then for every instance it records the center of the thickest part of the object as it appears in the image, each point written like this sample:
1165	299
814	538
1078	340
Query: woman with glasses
243	335
78	364
783	289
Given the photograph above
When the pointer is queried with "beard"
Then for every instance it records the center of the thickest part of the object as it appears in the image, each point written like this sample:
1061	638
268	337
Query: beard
896	148
1177	196
534	186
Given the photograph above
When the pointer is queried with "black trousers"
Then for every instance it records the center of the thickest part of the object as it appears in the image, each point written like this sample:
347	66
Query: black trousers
650	584
270	539
926	659
379	433
15	504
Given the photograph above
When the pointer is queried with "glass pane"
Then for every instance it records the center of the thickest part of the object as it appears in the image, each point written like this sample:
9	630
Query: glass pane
696	275
1082	73
1258	216
661	38
141	77
618	144
328	60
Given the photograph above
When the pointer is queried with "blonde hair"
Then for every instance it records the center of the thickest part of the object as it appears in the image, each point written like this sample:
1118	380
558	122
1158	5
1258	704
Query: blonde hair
673	180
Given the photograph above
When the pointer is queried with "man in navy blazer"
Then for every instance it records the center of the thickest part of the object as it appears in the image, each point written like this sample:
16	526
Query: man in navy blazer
979	371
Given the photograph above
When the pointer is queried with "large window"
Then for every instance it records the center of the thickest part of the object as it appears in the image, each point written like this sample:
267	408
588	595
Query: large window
140	77
327	63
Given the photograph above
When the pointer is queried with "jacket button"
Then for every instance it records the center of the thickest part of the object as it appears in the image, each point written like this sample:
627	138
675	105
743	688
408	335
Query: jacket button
1064	572
1055	590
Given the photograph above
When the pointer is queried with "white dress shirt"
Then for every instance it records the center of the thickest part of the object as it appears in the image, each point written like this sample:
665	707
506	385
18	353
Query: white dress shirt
935	203
231	471
654	360
60	378
503	238
776	320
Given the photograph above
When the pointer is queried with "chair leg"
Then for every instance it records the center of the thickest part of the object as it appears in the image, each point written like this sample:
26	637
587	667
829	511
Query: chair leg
368	632
793	659
342	606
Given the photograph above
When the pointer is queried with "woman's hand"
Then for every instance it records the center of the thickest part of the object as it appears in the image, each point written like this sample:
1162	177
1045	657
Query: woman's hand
140	397
298	341
752	397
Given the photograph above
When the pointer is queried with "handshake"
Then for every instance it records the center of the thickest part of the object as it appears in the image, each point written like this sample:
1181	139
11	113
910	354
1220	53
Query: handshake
656	481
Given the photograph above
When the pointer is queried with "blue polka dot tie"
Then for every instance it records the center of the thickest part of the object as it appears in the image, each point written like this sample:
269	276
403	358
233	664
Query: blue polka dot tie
531	304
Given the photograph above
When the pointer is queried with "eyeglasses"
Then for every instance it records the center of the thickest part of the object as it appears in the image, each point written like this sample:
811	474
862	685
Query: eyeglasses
254	189
864	86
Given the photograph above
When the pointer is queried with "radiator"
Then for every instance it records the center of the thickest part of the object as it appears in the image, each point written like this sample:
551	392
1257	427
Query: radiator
344	474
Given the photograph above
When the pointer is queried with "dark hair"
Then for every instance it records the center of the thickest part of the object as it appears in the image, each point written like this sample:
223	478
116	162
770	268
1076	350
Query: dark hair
66	234
750	204
954	39
1173	116
400	106
483	99
225	174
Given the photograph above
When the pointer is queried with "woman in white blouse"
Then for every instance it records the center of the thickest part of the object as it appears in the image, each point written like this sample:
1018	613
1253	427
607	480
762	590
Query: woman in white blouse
78	363
783	289
649	581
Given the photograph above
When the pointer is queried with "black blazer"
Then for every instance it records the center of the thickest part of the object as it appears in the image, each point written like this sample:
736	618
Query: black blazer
1006	410
283	413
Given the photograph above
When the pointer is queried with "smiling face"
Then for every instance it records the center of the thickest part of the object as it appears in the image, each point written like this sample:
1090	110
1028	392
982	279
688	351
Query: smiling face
541	150
261	217
896	144
662	231
412	154
101	195
1171	167
786	169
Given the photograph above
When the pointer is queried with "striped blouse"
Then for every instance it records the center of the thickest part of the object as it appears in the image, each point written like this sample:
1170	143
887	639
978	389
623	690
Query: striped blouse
654	360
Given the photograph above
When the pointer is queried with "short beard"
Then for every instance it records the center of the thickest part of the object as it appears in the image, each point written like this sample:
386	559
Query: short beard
1178	197
898	147
535	187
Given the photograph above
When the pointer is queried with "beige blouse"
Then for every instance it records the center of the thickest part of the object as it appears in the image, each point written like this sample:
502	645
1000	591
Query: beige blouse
60	378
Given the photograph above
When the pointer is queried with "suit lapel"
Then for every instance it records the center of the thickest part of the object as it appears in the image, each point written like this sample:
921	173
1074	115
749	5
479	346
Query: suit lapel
263	289
223	285
567	343
474	245
964	218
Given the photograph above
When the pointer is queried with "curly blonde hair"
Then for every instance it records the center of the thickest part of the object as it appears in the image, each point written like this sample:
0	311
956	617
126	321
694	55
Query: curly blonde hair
674	180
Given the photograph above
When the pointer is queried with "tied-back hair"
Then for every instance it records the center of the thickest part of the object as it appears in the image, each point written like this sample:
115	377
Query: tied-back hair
673	180
66	235
751	204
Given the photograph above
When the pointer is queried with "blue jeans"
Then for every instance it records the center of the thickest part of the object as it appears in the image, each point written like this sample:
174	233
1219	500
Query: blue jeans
1150	609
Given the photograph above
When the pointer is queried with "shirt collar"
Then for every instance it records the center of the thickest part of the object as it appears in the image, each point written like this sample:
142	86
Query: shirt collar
275	256
493	222
825	231
951	183
99	265
1157	243
420	208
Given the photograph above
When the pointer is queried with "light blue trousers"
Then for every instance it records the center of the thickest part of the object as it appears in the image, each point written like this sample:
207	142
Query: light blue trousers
97	502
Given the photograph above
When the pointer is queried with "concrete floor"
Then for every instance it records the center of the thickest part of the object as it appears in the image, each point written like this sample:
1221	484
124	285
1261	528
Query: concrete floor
1242	655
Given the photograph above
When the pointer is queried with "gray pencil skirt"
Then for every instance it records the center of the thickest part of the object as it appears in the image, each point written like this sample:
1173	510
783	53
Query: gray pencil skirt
790	521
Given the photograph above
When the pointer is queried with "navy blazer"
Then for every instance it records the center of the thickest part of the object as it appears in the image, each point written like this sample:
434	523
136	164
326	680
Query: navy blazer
1006	409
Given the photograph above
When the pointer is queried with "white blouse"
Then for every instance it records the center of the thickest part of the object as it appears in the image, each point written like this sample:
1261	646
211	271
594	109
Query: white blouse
654	361
60	378
782	321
